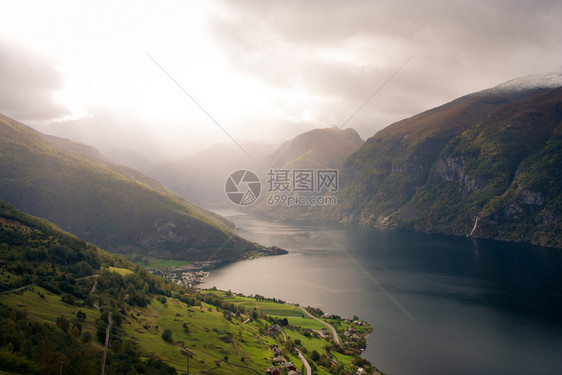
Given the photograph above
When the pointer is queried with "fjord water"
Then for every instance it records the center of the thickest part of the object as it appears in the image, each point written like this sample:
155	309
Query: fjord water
438	304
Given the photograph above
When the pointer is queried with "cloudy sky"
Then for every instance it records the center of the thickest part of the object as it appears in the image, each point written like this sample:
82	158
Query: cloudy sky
265	70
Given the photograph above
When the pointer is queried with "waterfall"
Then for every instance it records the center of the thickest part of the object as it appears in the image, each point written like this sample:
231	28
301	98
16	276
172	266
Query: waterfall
474	228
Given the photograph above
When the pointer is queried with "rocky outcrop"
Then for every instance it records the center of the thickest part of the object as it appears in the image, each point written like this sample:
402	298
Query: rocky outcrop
522	206
452	168
448	168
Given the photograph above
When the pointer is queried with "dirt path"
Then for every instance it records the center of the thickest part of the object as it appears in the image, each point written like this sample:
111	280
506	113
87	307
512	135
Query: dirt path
94	287
15	290
305	362
284	336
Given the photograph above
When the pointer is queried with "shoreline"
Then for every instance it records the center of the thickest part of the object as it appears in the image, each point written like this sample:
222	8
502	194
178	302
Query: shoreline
291	320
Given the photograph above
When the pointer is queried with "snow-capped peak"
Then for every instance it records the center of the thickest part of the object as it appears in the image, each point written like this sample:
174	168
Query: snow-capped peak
544	80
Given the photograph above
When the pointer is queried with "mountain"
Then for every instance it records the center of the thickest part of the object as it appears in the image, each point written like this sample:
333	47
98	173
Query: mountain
312	151
486	164
111	206
318	148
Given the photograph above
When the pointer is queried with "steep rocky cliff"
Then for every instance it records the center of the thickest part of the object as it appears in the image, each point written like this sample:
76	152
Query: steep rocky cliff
495	155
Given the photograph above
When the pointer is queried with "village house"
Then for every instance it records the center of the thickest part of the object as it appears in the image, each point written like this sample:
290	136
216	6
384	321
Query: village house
273	330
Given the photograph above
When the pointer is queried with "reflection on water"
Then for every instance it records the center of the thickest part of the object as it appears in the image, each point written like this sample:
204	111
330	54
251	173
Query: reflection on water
483	307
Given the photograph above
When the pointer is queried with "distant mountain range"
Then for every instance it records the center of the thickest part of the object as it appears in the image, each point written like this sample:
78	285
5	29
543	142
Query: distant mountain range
201	177
114	207
488	164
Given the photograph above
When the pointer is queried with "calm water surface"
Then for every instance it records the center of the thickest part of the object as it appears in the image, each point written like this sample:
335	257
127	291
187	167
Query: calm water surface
439	304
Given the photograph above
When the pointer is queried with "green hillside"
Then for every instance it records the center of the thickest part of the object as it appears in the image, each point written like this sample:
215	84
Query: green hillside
111	206
60	296
493	155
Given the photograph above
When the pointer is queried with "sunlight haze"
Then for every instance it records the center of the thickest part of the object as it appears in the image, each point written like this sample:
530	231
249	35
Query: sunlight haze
262	70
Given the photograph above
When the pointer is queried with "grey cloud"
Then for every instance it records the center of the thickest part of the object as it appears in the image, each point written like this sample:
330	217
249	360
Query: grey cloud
328	22
28	83
459	47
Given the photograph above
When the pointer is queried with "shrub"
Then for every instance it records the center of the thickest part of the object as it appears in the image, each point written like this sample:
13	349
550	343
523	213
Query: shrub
315	356
62	323
167	335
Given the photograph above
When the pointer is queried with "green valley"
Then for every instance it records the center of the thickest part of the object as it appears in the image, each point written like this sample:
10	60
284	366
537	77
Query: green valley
60	295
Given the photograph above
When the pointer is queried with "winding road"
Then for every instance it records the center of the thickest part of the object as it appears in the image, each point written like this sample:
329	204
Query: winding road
305	362
334	333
